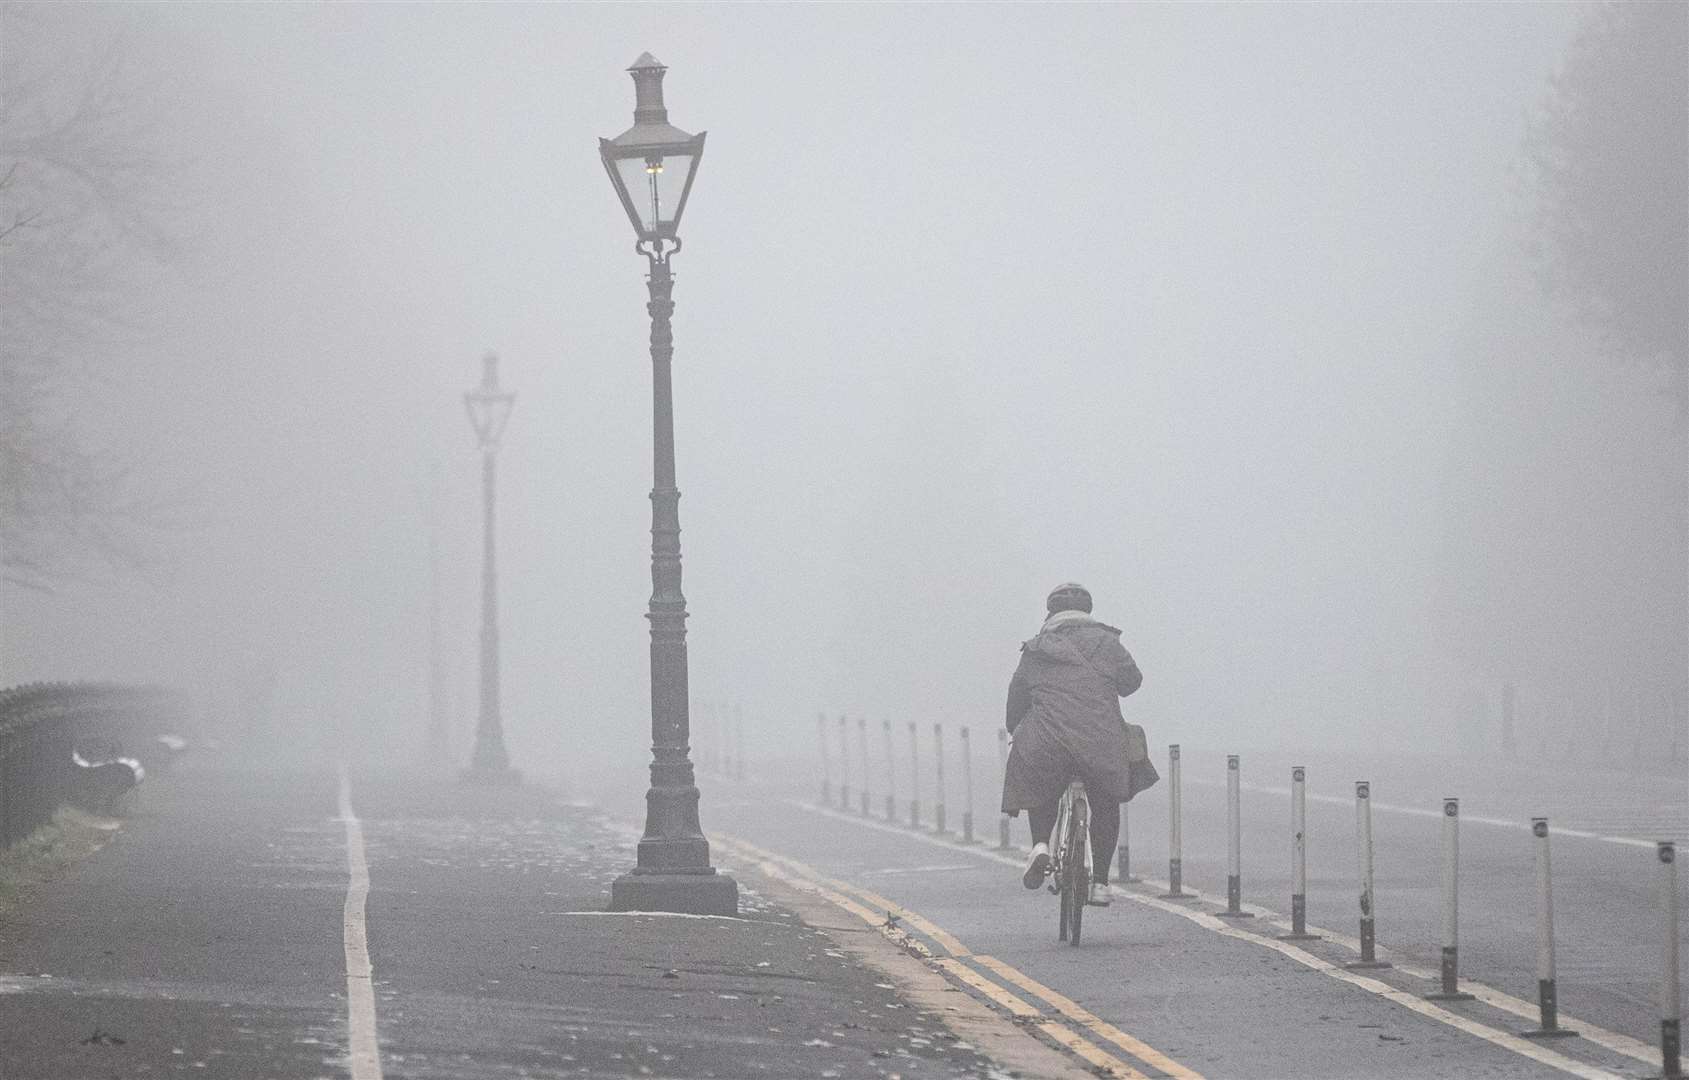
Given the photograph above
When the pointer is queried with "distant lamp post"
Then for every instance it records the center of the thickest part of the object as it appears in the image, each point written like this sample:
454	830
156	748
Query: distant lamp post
489	410
652	165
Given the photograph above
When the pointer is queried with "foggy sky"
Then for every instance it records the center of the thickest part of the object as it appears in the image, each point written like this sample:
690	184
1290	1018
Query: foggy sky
1176	301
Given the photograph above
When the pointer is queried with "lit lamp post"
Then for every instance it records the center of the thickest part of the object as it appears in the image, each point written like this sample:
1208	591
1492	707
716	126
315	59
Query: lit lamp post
489	409
652	165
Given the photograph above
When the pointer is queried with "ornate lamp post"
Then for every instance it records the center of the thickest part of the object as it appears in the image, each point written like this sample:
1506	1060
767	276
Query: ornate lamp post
652	165
489	409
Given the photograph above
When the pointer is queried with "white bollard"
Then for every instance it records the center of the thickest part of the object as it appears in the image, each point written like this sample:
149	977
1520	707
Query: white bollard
914	778
938	795
844	763
1123	853
738	743
1234	844
891	774
1175	831
1671	1002
1363	854
1003	769
1548	1002
967	789
1450	990
862	742
1298	857
826	762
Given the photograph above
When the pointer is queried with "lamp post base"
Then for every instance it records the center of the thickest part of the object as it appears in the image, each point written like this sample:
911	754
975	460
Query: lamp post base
707	893
476	776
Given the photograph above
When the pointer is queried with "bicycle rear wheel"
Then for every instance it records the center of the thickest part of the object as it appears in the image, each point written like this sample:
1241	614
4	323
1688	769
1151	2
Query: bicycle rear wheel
1076	878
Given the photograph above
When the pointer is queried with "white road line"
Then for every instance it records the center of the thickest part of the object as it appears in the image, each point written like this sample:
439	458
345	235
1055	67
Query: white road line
365	1055
1610	1040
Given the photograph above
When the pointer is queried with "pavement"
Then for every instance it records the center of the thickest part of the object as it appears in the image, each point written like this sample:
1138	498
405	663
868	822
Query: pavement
225	930
209	939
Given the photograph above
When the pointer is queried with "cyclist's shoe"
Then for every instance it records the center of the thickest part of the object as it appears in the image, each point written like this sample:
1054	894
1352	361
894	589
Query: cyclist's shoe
1037	867
1099	894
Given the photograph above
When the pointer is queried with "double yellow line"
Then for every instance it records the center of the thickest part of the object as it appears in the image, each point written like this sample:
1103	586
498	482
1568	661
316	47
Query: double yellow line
1073	1027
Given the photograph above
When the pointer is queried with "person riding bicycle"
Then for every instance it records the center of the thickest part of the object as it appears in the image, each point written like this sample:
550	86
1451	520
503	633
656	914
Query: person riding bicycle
1064	716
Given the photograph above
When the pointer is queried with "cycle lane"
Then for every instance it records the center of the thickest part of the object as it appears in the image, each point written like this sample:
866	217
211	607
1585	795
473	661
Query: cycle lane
1222	1007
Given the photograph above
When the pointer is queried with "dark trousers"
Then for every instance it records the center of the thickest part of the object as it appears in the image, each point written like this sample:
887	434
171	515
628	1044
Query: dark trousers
1105	833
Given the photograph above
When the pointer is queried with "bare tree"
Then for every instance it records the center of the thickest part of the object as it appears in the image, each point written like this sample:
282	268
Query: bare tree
1611	157
84	212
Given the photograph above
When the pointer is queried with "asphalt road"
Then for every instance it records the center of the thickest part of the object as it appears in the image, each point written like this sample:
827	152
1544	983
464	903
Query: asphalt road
1226	1007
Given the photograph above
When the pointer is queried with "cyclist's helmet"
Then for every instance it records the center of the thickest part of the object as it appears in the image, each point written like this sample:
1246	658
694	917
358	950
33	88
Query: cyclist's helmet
1068	596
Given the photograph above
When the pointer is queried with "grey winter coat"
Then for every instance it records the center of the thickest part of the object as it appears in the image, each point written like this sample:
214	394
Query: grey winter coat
1064	714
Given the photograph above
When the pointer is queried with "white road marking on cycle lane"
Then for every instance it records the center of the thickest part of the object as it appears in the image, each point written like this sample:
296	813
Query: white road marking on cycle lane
365	1052
1503	1039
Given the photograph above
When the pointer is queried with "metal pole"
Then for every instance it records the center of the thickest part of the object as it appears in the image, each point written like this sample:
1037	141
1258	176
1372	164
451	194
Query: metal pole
914	778
844	764
1548	1002
1234	845
1671	1001
489	764
1123	852
738	743
938	797
967	789
1450	990
862	742
826	761
1298	857
1003	770
673	871
1175	831
1363	853
891	773
709	752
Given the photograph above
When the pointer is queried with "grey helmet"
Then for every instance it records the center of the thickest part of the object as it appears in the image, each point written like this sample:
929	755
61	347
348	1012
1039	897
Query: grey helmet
1068	596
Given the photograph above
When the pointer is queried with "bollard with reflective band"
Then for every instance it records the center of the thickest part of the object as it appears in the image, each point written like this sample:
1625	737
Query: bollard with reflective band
1175	831
967	789
1123	853
1003	769
844	763
914	778
1363	853
1450	990
862	743
826	764
1298	857
891	774
938	794
1671	1002
1234	844
1548	1004
720	730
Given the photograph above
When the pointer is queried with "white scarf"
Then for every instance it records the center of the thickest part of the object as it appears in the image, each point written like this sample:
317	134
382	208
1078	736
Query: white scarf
1063	618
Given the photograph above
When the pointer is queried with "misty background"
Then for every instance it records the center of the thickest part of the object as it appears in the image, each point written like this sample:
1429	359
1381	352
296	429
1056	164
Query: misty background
1246	316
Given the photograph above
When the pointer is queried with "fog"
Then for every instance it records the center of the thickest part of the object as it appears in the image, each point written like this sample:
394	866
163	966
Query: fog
1226	311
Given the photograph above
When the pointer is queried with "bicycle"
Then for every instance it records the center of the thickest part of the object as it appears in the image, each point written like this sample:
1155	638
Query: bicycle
1070	859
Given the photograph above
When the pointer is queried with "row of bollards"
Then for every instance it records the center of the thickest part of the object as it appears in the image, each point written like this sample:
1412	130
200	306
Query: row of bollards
1449	973
843	787
1449	970
719	739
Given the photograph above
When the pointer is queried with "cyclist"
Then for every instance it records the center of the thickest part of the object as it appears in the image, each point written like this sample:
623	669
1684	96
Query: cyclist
1064	715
